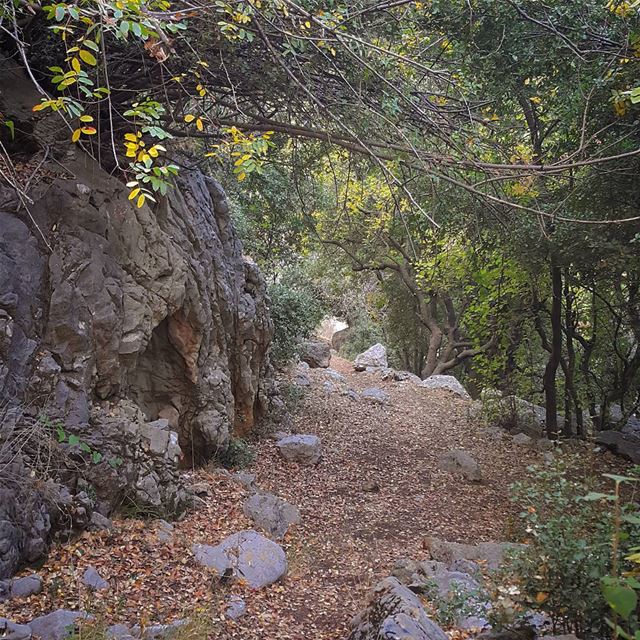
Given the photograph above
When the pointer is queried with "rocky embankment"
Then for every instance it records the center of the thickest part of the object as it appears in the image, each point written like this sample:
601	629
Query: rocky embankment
133	341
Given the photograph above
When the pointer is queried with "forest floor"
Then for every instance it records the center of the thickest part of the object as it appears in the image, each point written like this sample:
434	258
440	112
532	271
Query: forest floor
374	497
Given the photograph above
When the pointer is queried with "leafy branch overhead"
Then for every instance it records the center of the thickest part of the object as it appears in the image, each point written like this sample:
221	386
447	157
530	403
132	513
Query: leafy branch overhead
396	82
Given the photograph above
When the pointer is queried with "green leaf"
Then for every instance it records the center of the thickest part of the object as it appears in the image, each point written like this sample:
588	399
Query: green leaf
96	457
74	440
593	496
618	479
621	599
9	124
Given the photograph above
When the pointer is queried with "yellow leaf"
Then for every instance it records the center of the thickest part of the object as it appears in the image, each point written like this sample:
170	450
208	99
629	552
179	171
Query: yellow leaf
189	118
199	125
90	131
134	193
75	63
86	118
88	57
76	135
242	176
140	200
153	152
132	137
307	24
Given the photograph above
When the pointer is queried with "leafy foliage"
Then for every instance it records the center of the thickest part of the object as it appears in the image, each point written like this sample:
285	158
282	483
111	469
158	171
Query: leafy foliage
295	313
568	553
238	455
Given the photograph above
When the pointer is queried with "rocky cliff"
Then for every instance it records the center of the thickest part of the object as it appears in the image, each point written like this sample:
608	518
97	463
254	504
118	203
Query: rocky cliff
131	341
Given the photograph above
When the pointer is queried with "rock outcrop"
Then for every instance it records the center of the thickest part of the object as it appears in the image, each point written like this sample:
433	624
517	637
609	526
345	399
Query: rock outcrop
142	334
157	306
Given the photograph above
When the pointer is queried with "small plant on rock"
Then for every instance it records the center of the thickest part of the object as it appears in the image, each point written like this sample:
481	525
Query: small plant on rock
461	602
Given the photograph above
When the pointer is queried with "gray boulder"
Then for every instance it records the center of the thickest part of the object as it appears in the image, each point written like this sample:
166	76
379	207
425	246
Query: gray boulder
624	445
316	353
374	357
271	513
335	376
445	382
99	522
93	580
236	607
375	395
490	554
13	631
460	462
57	625
394	613
25	587
247	556
522	439
304	449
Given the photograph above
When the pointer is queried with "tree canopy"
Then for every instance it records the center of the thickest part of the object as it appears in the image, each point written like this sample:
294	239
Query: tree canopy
475	159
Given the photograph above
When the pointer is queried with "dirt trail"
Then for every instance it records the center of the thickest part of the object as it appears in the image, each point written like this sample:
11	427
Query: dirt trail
373	498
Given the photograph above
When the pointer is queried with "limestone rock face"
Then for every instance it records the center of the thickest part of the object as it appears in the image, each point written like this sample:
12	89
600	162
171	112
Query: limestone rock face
145	332
158	306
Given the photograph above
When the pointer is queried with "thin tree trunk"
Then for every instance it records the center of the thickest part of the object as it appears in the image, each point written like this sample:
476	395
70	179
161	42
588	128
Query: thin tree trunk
550	372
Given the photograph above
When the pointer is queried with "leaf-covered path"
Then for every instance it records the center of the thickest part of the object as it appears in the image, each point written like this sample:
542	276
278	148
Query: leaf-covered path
375	496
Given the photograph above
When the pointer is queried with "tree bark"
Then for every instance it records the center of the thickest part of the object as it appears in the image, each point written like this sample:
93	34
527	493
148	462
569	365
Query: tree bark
550	372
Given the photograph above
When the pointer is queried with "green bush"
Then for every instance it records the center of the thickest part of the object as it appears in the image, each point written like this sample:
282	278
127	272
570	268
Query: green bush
559	572
239	454
295	313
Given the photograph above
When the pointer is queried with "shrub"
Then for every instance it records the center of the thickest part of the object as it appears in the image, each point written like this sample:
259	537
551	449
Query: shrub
559	572
239	454
295	313
293	396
